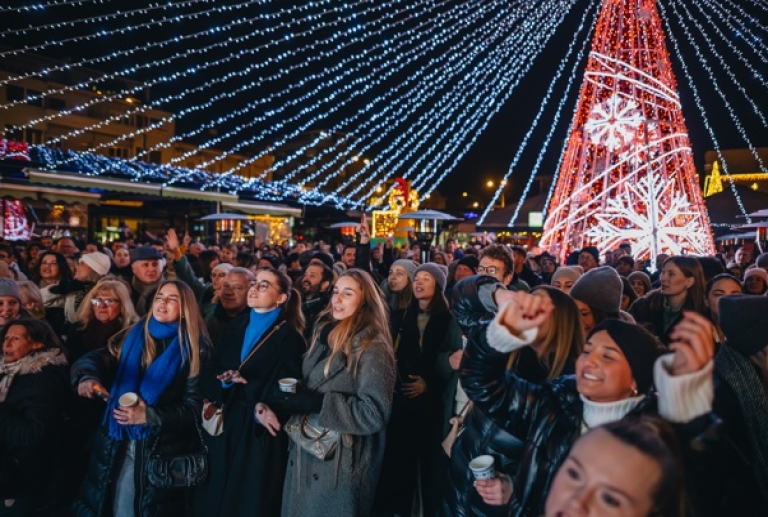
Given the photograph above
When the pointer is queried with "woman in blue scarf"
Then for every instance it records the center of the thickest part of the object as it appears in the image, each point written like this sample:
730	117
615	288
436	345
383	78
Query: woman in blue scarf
253	352
157	359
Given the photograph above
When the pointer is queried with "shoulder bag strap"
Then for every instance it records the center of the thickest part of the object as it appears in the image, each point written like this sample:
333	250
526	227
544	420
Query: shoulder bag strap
264	340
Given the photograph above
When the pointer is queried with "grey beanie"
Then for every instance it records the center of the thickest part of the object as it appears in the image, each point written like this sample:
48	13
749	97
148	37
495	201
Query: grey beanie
762	260
9	288
409	266
643	277
600	288
436	271
571	273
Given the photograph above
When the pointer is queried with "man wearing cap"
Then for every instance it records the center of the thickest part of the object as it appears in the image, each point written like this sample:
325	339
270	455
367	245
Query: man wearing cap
146	264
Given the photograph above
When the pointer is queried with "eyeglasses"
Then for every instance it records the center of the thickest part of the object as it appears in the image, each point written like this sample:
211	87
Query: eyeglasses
104	302
487	270
263	286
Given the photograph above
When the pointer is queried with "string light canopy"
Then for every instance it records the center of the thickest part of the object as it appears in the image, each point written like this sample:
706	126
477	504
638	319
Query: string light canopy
627	173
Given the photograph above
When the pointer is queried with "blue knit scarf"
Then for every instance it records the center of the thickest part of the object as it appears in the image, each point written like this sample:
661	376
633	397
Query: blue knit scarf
155	380
260	322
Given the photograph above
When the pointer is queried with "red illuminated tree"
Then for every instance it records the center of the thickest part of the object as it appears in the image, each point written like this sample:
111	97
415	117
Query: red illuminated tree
627	173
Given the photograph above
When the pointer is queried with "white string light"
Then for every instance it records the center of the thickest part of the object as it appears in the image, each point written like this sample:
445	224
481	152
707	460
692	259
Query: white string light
446	107
563	98
716	86
700	105
45	5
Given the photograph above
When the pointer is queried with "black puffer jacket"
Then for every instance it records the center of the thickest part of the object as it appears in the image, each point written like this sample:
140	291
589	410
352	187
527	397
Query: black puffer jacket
173	428
547	417
33	421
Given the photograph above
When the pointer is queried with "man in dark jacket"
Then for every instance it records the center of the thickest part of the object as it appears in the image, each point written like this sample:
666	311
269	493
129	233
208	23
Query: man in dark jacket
146	264
233	301
315	288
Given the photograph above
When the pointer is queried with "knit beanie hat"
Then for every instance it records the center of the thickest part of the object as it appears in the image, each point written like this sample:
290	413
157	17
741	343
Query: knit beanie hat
742	318
436	271
409	266
471	262
643	277
599	288
571	273
762	261
8	288
640	347
756	271
97	261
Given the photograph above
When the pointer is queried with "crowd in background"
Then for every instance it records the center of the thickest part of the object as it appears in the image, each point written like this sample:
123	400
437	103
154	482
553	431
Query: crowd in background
599	386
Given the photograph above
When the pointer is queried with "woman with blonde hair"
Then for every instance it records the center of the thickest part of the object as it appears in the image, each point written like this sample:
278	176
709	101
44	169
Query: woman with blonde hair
158	364
31	298
106	310
348	380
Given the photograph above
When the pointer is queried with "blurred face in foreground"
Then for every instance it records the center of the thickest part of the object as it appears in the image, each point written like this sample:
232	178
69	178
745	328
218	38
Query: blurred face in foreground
604	477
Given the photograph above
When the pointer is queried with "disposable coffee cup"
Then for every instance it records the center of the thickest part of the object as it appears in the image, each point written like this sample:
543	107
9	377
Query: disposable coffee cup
482	467
288	385
129	399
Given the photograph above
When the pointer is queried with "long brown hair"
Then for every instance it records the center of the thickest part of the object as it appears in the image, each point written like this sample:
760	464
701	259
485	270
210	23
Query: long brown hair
370	321
694	299
292	305
565	338
192	330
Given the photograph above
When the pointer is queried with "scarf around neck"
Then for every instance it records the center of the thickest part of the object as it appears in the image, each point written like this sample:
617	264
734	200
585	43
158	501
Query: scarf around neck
259	323
154	381
740	375
32	363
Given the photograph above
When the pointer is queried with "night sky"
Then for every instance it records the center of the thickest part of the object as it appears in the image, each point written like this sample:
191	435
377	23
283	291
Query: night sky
491	155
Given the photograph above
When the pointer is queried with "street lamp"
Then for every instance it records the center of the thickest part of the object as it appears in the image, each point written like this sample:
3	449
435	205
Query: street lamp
426	228
503	184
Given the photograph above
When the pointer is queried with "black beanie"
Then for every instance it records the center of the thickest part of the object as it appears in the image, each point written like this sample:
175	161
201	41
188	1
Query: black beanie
640	347
744	323
471	262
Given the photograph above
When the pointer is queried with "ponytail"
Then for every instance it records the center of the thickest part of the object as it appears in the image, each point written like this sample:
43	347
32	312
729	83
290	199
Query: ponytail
293	313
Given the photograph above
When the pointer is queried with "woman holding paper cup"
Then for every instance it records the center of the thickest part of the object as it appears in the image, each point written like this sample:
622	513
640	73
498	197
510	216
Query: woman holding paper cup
614	375
256	355
156	365
348	379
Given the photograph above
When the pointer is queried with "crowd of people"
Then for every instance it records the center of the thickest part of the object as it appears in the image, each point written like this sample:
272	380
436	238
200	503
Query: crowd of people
171	377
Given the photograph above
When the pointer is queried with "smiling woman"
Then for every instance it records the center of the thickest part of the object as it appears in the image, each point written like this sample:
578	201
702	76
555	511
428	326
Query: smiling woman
613	381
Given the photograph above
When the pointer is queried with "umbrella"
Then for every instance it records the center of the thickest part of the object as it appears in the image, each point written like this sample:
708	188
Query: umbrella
345	224
224	216
429	214
760	213
750	226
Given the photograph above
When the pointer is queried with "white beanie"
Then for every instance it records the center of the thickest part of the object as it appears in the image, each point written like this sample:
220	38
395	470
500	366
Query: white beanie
97	261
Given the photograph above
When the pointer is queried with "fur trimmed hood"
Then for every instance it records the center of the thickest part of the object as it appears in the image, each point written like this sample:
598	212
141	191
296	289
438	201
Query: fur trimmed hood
35	362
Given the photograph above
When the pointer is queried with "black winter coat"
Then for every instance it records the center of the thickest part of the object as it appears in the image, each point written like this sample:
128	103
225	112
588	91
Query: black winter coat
247	464
33	421
172	422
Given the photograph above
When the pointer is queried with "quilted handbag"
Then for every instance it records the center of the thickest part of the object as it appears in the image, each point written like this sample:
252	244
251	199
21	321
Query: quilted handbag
178	470
309	435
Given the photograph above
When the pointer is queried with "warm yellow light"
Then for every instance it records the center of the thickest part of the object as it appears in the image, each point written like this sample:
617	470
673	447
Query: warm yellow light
475	204
367	161
464	194
129	100
489	184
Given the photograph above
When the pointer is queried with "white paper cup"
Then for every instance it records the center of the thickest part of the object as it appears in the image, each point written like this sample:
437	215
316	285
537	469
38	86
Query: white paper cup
482	467
288	385
129	399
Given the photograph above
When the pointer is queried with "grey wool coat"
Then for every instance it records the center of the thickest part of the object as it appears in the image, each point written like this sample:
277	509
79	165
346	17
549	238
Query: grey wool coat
358	406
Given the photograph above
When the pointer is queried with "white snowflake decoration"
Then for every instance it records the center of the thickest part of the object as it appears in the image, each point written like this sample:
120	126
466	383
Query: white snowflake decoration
670	225
614	123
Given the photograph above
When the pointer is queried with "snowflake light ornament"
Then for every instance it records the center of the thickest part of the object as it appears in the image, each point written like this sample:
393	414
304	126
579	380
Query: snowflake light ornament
614	123
668	224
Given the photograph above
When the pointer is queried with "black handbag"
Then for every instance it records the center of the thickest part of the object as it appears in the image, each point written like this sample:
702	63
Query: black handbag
178	470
